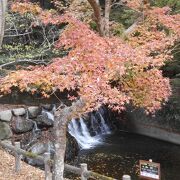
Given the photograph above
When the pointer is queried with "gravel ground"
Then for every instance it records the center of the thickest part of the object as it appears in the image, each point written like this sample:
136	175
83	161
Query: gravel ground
27	172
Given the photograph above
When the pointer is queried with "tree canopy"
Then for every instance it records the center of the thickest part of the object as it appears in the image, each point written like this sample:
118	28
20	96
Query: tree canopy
96	68
103	70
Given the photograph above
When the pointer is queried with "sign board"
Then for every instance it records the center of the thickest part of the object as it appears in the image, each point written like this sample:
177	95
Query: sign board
149	170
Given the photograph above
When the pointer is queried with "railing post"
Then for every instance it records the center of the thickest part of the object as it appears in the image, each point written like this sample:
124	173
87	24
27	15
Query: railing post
126	177
83	169
47	167
17	157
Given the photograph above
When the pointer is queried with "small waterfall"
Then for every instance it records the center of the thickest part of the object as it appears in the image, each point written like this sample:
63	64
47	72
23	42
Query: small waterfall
36	132
49	114
94	124
78	129
85	131
27	115
53	109
104	127
88	133
35	128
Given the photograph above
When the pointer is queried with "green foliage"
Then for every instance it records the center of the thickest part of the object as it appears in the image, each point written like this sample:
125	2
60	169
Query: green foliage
31	155
174	4
123	16
117	29
161	27
26	38
172	68
93	25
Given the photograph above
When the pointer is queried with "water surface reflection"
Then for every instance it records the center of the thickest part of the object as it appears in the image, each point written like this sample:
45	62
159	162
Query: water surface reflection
121	152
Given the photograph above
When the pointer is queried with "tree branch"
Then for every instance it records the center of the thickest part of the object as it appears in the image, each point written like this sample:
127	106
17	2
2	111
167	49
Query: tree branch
131	29
15	35
35	62
72	111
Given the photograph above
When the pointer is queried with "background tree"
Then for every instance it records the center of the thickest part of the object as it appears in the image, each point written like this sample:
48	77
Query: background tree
3	4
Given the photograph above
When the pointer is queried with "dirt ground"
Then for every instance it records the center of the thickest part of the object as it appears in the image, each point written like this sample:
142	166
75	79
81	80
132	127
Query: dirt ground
27	172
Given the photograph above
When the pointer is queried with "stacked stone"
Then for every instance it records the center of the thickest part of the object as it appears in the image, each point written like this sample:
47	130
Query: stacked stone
22	120
35	124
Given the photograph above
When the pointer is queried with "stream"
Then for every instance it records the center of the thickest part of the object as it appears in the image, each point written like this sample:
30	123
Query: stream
120	154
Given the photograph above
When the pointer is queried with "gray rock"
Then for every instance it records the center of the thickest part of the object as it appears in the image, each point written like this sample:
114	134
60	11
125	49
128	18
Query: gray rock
34	111
6	115
44	119
7	141
19	111
39	148
21	125
47	107
72	148
5	131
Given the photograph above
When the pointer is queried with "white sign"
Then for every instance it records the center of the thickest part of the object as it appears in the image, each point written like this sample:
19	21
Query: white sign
149	170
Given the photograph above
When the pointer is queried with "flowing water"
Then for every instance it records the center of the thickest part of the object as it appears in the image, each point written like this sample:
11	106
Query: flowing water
89	135
120	154
50	115
116	154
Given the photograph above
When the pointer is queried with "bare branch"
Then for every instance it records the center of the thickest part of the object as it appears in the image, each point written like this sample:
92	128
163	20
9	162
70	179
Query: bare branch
34	62
133	26
15	35
119	3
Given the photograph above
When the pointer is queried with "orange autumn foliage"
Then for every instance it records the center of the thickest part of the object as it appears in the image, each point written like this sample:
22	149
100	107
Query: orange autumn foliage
102	70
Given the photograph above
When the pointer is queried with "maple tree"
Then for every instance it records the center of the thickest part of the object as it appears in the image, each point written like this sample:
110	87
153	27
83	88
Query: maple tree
101	70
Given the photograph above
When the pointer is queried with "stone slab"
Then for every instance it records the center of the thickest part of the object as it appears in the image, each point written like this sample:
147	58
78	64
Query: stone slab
6	115
19	111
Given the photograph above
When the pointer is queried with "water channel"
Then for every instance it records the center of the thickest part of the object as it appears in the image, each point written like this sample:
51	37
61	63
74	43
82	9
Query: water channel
120	154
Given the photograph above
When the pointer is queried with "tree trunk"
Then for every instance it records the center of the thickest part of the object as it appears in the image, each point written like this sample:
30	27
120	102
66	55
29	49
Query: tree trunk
60	122
97	15
102	22
3	4
106	17
61	119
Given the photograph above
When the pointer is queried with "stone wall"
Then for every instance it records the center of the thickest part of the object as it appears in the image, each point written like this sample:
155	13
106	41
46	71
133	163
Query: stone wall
33	127
165	125
22	120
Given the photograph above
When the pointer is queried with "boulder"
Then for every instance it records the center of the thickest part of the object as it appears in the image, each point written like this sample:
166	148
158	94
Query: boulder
5	131
6	115
19	112
21	125
34	111
72	148
44	119
39	148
